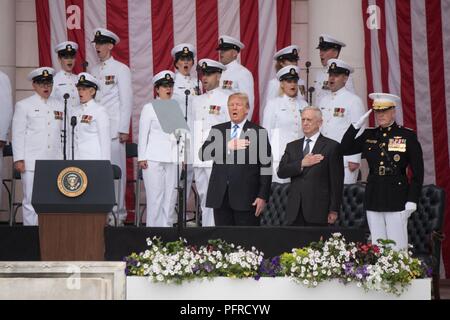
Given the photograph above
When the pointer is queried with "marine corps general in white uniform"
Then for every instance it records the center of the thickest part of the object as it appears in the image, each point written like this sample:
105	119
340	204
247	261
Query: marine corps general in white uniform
285	57
340	109
282	116
209	109
236	78
91	134
65	80
329	48
116	95
157	157
36	134
6	111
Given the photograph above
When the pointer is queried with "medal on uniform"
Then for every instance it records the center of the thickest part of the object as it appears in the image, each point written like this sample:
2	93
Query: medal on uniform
58	115
302	90
397	158
339	112
109	80
86	119
397	145
227	84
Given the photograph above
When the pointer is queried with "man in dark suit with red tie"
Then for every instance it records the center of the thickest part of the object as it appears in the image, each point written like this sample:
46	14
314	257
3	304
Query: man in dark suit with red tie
316	168
241	176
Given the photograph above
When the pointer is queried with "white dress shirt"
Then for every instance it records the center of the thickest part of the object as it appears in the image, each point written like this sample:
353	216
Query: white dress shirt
282	120
36	130
92	133
115	94
339	110
312	143
154	144
209	109
65	82
238	78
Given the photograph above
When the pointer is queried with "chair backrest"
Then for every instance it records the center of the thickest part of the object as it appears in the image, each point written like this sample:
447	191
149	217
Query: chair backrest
131	150
7	150
353	213
274	214
427	219
117	173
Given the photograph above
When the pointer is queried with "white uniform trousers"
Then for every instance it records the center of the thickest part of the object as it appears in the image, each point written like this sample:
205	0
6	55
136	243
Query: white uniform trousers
190	178
389	225
118	157
202	175
160	180
30	217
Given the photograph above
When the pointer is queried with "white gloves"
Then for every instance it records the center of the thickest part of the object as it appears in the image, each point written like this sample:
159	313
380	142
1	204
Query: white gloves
362	120
410	207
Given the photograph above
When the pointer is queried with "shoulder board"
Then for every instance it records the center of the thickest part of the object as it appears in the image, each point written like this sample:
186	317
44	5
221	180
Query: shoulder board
409	129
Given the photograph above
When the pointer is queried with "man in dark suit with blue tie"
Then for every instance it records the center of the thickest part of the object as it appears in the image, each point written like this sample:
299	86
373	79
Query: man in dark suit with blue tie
241	176
316	168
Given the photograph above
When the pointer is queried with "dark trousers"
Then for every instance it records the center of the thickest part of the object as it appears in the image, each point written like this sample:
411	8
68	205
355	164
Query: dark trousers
227	216
300	221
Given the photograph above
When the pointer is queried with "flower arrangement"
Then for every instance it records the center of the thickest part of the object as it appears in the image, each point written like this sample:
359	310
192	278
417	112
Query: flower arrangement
177	261
372	267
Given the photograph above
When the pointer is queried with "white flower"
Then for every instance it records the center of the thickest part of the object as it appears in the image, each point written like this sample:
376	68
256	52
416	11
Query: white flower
159	278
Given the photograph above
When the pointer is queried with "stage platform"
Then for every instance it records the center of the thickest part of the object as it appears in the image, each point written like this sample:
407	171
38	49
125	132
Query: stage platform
22	243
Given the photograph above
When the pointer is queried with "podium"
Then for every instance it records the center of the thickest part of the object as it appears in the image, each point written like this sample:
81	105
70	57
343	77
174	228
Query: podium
72	200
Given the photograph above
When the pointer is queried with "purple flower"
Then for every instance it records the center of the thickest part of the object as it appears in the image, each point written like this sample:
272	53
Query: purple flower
208	267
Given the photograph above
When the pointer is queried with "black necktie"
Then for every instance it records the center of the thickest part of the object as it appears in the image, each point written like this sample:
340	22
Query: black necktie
306	150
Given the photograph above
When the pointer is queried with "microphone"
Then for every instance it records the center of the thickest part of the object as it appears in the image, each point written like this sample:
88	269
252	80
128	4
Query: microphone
311	90
187	92
73	123
66	96
307	64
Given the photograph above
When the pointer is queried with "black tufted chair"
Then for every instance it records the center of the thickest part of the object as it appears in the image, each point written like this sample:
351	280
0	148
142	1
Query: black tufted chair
274	213
353	213
425	230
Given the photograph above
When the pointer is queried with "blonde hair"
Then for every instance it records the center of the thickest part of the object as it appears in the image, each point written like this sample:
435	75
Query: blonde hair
240	95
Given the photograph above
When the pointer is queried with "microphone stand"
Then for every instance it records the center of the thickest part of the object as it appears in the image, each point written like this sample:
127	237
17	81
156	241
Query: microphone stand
64	136
179	191
307	65
187	93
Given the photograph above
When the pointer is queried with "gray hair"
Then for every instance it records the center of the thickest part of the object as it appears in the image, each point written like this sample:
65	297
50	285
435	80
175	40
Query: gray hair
316	109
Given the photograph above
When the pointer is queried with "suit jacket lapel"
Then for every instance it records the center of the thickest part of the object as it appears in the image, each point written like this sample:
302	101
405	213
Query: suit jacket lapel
244	129
320	144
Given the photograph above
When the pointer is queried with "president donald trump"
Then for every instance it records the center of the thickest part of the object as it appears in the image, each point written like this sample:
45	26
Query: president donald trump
241	175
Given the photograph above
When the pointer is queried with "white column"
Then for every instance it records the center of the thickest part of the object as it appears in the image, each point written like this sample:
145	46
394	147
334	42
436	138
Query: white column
342	19
8	66
8	38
